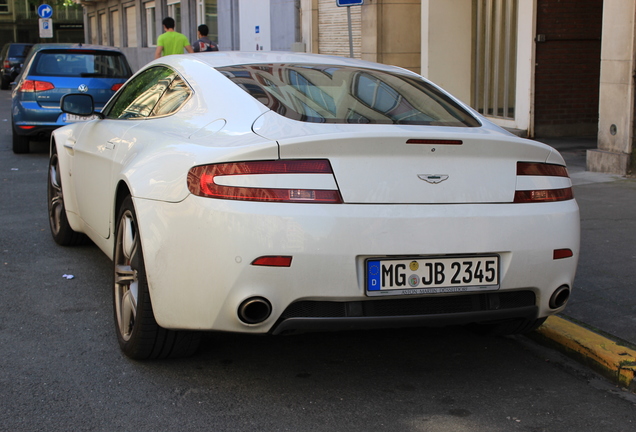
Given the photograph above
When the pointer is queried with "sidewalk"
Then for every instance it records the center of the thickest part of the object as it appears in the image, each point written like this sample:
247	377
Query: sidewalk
604	294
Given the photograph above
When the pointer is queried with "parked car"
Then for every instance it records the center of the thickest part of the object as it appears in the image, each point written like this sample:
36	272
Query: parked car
278	192
12	57
53	70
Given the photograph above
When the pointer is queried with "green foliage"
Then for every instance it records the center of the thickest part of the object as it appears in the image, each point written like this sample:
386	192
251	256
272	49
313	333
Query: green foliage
62	3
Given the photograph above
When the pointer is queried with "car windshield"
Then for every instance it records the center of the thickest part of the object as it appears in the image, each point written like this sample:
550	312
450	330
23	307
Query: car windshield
343	94
17	50
81	63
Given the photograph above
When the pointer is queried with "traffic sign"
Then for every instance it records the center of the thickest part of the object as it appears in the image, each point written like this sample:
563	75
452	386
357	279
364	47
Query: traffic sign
45	11
343	3
46	27
348	4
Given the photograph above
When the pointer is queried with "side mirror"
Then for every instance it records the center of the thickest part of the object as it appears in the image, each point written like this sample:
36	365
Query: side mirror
78	104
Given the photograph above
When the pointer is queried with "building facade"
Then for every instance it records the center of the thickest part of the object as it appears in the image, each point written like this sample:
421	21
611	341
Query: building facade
541	68
19	22
245	25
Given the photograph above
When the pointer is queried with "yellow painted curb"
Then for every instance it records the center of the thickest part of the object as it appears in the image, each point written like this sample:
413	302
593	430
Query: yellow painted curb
607	357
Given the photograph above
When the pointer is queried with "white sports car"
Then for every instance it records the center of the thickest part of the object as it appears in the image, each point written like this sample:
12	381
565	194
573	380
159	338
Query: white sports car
278	192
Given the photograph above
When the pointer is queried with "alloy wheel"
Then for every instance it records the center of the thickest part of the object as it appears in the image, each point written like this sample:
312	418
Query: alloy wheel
126	277
56	198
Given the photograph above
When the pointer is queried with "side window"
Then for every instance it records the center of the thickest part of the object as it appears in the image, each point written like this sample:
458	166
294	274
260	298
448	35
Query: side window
139	97
176	95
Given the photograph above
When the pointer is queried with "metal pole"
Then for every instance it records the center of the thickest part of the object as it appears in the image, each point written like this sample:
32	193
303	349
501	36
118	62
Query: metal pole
350	32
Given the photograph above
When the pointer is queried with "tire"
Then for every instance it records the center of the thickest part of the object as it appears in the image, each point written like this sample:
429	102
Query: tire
61	230
139	335
5	84
509	327
20	143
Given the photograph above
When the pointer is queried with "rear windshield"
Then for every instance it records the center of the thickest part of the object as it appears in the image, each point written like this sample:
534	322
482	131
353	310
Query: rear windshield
17	50
342	94
80	63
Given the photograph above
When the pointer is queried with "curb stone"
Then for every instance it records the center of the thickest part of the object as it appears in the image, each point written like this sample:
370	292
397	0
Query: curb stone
614	361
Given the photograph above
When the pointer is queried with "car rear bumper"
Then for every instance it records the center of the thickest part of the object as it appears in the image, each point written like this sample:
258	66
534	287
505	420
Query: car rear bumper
286	325
31	119
34	130
199	254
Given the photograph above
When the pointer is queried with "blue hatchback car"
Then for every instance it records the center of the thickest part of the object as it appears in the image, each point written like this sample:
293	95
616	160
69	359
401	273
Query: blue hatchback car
53	70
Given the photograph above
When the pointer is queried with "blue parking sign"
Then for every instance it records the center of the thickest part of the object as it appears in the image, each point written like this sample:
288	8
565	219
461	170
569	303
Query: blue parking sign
342	3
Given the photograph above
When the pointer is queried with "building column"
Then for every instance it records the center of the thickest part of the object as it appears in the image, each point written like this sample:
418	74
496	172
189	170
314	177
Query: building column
447	45
309	24
391	32
616	104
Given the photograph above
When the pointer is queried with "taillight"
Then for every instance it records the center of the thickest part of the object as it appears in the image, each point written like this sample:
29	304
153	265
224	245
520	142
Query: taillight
434	141
35	86
116	87
545	195
296	181
541	169
542	182
6	64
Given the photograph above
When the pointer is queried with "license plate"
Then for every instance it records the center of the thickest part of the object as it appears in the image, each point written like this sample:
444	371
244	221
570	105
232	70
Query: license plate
71	118
405	276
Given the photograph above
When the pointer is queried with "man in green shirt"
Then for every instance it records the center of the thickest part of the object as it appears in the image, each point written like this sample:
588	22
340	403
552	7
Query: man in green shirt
171	42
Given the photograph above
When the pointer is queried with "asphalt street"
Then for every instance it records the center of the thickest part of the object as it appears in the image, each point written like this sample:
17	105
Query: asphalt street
604	294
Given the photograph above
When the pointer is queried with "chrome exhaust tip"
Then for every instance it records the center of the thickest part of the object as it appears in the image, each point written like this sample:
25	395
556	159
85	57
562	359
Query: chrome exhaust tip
560	297
254	310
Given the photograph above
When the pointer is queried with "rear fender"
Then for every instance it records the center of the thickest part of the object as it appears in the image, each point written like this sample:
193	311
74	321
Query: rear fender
159	169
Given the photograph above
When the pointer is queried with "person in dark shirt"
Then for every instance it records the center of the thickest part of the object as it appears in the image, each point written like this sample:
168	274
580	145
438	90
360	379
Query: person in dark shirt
204	43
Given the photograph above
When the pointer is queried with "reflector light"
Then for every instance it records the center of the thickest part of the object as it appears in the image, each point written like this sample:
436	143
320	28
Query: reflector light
35	86
546	195
541	169
435	141
273	261
562	253
26	127
201	181
116	87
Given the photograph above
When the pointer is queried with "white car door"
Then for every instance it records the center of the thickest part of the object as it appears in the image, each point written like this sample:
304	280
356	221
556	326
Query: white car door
94	169
103	144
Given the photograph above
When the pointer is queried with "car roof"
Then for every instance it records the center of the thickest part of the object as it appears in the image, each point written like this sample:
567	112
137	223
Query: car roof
63	46
218	59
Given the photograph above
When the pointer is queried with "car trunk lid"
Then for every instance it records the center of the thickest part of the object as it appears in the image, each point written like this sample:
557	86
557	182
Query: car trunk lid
378	164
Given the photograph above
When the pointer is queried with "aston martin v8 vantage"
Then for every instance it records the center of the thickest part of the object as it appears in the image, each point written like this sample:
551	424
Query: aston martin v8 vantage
281	192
